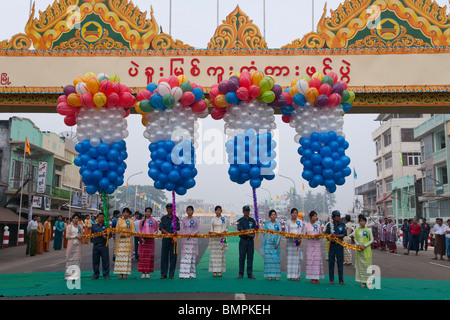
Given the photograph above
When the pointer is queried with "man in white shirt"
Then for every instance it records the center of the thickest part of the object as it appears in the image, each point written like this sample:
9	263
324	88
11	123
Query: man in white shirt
439	231
32	236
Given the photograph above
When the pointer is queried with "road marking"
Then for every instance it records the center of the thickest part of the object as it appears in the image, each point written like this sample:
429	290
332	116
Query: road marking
239	296
440	265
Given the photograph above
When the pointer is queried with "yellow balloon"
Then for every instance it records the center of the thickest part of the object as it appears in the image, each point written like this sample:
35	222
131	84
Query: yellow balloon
237	74
114	78
220	101
312	94
99	99
293	90
89	74
294	81
144	120
318	75
74	100
93	84
138	108
182	78
77	80
257	76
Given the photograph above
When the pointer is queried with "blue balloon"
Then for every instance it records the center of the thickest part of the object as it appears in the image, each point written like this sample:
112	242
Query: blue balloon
153	173
314	137
306	143
77	161
307	175
112	176
231	98
174	176
329	183
315	146
91	189
168	146
346	107
333	145
156	101
331	189
152	86
180	190
325	151
92	164
328	173
103	183
337	165
316	158
318	179
166	167
103	165
185	173
163	178
103	148
113	154
307	153
332	135
255	172
347	171
340	140
190	183
345	160
299	99
97	175
308	165
255	183
327	162
300	150
317	169
198	93
324	138
170	186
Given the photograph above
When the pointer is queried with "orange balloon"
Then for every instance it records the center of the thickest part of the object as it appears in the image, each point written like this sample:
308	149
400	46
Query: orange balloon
257	76
220	101
77	80
93	84
312	94
74	100
144	120
294	81
293	90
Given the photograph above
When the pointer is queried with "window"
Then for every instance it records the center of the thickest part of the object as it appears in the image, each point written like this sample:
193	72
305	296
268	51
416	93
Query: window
388	183
379	165
439	139
407	134
57	180
410	158
429	181
428	147
388	161
387	138
379	189
378	146
442	175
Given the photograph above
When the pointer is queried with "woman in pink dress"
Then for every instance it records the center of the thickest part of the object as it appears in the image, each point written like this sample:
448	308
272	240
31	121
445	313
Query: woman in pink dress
314	260
146	249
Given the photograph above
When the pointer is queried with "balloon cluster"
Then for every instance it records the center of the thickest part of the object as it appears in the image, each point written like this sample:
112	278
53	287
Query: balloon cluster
173	105
98	105
170	109
245	87
102	167
251	157
316	113
324	160
246	103
94	91
320	91
172	167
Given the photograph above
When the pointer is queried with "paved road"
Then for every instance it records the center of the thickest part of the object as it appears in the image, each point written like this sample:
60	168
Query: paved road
13	260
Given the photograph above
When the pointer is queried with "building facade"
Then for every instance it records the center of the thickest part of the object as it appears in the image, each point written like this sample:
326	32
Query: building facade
433	136
397	155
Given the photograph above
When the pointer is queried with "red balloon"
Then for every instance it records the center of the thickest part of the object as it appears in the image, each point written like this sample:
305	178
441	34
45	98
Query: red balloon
106	86
173	81
254	91
65	109
187	98
333	75
144	95
214	92
115	87
126	99
199	106
70	120
62	98
325	89
112	100
218	113
87	100
288	97
243	93
315	82
286	119
334	100
245	80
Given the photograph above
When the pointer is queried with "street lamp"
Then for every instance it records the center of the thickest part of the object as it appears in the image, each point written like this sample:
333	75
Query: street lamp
135	192
295	190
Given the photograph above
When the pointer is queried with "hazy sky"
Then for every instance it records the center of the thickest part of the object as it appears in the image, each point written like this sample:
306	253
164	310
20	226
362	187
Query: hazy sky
194	23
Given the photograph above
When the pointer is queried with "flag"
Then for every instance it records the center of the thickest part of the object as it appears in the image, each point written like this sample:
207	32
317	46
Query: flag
355	176
278	198
303	186
27	146
401	159
73	161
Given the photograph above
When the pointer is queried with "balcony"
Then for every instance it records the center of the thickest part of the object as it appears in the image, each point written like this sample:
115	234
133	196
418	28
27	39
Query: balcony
430	124
440	155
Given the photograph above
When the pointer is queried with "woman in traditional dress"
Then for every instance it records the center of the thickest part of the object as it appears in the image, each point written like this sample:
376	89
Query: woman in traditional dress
189	246
363	259
271	248
217	246
124	246
146	248
59	231
47	233
74	234
294	249
87	228
40	237
314	256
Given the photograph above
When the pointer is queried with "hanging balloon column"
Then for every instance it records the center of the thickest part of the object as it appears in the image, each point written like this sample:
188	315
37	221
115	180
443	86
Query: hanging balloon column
170	109
315	110
98	105
246	103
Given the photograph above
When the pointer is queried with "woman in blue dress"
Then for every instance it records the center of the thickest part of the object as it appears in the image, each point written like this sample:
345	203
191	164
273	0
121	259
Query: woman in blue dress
271	248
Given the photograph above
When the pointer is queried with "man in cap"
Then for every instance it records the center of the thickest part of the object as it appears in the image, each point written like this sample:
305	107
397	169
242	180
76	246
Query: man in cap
246	243
168	250
337	229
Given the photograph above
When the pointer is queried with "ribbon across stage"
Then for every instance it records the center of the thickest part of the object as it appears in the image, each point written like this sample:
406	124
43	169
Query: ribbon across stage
227	234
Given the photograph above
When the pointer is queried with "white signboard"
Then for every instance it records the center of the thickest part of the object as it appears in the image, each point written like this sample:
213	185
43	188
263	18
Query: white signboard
42	175
37	202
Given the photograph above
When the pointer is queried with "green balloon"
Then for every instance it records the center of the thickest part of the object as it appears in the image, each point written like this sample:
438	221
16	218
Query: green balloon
146	106
186	86
345	96
328	80
168	101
